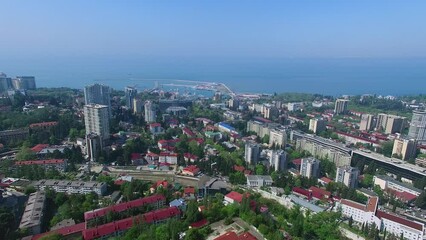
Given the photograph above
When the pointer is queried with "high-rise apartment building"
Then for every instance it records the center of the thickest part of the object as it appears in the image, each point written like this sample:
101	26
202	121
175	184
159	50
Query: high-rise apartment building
93	146
24	82
277	138
5	83
341	106
98	94
252	153
150	112
130	94
404	148
278	160
390	124
96	119
366	122
309	167
348	176
137	106
317	125
417	129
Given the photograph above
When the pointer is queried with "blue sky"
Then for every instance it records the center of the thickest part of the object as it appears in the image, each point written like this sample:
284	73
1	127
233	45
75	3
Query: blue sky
222	28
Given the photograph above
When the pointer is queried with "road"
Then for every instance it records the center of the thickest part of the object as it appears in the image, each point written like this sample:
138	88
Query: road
350	234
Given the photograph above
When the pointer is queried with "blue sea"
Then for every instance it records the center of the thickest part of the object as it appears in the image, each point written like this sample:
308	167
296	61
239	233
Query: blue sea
251	75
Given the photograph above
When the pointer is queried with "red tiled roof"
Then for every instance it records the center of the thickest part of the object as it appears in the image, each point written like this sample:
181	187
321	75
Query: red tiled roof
40	162
65	231
234	236
297	162
199	224
399	220
247	236
155	125
192	169
371	205
353	204
405	196
236	196
190	156
151	154
135	156
239	168
189	190
228	236
161	214
319	192
167	154
302	191
43	124
326	180
357	137
37	148
123	206
188	132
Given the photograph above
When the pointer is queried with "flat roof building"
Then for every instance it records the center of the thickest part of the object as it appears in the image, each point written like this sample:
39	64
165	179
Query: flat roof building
33	214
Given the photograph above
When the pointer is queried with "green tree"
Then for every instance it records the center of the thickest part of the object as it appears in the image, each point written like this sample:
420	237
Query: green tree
7	220
387	148
192	214
260	169
162	232
421	200
52	236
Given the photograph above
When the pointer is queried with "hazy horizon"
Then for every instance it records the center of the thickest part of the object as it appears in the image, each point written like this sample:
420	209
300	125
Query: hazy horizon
331	47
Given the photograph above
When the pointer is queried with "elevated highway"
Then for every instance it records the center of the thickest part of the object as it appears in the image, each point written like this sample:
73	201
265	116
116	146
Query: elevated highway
392	165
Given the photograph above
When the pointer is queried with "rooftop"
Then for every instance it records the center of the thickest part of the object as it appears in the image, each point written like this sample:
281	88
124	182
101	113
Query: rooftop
400	220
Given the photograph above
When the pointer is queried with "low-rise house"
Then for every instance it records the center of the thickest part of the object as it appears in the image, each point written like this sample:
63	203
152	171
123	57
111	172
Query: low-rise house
168	157
259	180
118	228
155	202
191	170
57	164
72	187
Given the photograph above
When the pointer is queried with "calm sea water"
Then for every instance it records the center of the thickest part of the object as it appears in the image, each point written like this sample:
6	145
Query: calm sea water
325	76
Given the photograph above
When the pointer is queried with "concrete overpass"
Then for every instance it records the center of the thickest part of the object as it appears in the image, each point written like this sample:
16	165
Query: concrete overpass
391	165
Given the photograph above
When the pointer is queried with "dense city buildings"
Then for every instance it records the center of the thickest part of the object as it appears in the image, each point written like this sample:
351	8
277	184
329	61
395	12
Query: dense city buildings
277	138
367	122
310	167
317	125
138	106
150	112
5	83
96	120
322	148
417	129
93	146
348	176
98	94
404	148
341	106
278	160
24	82
390	123
130	94
252	153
